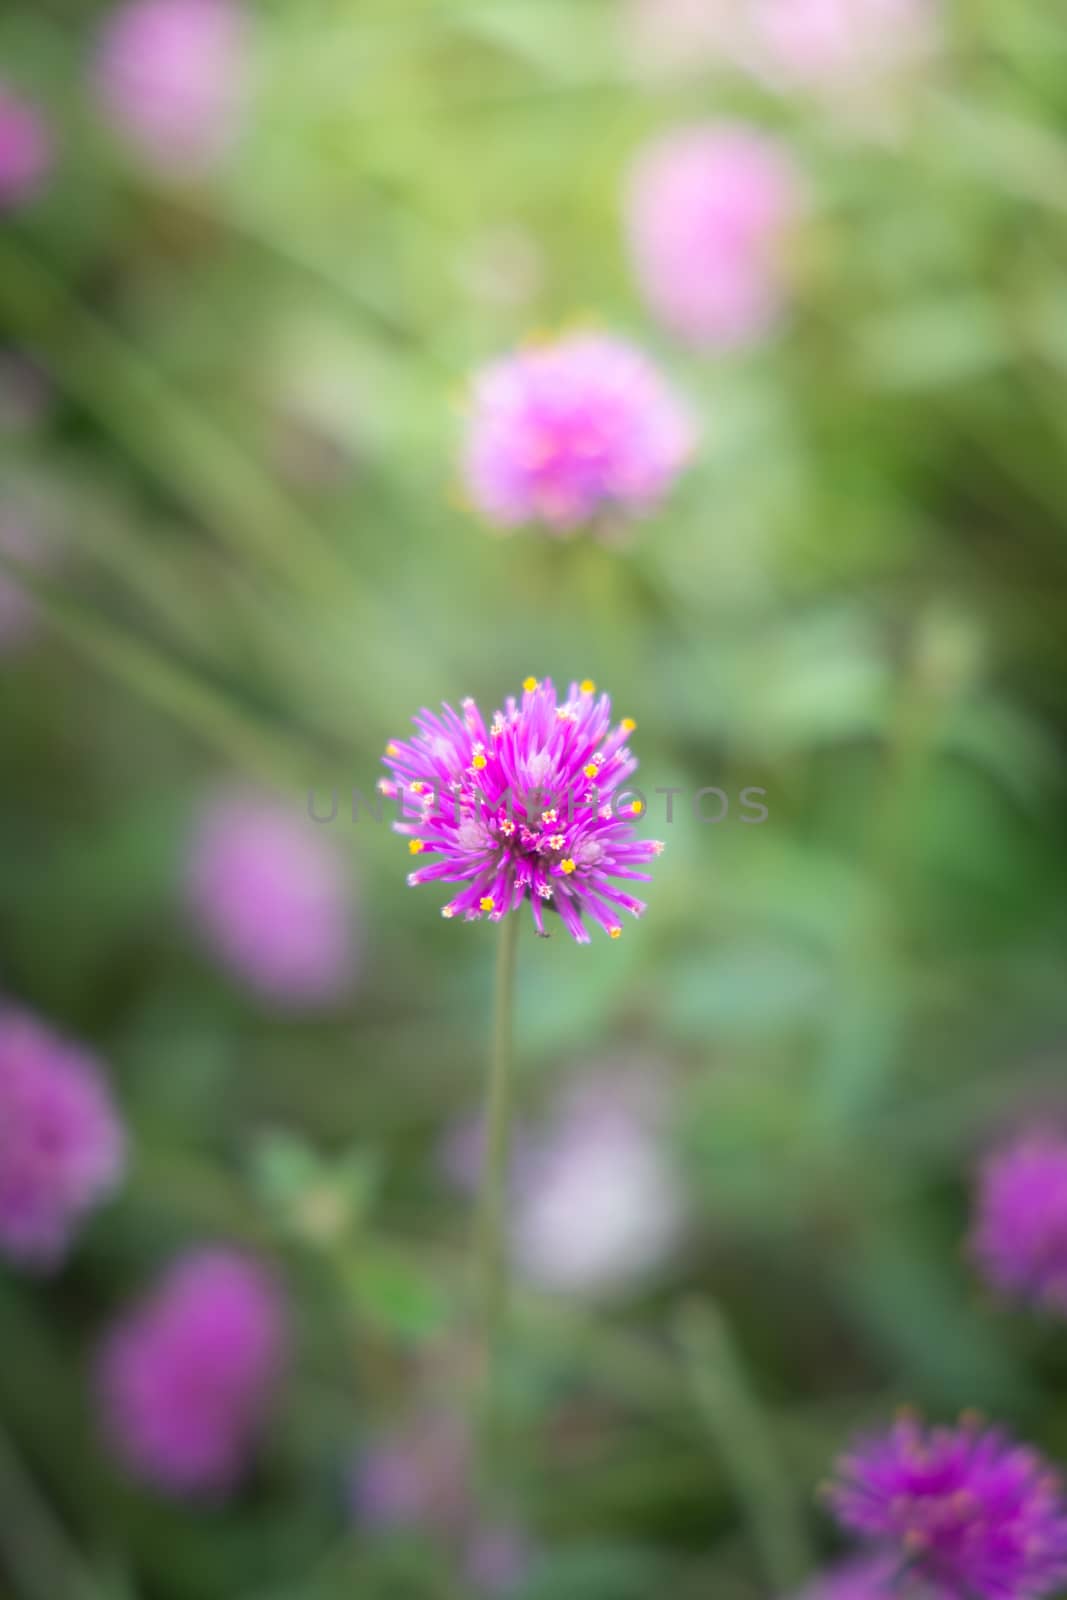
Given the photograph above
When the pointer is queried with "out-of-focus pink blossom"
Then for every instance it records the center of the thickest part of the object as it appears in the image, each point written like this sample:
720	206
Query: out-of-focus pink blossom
26	149
170	77
710	211
267	890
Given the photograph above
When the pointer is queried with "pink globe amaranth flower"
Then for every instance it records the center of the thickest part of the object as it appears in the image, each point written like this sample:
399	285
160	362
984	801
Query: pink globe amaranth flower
266	889
598	1202
710	211
1019	1237
569	433
532	808
26	149
186	1377
834	43
970	1511
170	78
879	1579
62	1147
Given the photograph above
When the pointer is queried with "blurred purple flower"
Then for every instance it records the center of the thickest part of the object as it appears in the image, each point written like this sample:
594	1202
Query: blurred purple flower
170	77
571	433
527	810
877	1579
710	210
26	149
599	1202
1020	1230
62	1146
185	1377
266	890
419	1478
966	1508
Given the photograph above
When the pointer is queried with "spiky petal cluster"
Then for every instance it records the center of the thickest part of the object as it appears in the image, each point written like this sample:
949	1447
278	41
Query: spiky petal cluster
975	1514
61	1141
1020	1230
185	1377
26	149
709	212
568	433
531	808
170	78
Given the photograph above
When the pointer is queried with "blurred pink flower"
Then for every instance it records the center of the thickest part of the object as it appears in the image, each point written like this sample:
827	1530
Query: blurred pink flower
267	890
709	213
186	1376
573	432
823	46
420	1478
170	77
832	43
26	149
1019	1237
62	1145
599	1200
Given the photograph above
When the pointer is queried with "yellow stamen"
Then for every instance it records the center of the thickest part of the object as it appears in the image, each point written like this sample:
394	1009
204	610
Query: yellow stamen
614	933
486	902
587	686
627	724
568	866
478	762
530	684
392	750
591	770
417	788
416	847
637	808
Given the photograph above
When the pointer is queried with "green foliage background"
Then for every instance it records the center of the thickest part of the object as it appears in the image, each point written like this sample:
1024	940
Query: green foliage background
857	600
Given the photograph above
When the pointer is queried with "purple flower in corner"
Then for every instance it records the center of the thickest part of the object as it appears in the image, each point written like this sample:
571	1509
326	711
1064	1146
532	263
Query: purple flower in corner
26	149
61	1142
1020	1230
967	1509
532	808
580	431
185	1378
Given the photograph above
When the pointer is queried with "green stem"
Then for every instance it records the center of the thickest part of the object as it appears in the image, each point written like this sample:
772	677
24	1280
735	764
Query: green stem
36	1551
745	1446
493	1220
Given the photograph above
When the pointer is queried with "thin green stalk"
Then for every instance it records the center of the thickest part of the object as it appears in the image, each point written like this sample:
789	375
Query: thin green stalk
493	1220
748	1453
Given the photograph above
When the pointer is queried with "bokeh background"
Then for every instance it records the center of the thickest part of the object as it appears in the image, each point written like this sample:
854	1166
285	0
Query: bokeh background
231	406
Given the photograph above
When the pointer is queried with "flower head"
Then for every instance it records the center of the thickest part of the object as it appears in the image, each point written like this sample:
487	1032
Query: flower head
566	433
169	77
531	808
186	1376
831	44
266	890
598	1201
971	1511
61	1142
26	149
1020	1230
709	213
